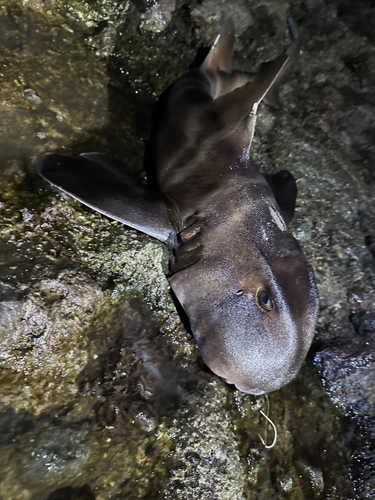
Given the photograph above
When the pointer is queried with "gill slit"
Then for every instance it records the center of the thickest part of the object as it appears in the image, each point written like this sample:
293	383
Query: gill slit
174	213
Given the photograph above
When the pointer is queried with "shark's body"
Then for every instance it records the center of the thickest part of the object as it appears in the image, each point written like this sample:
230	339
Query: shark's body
241	277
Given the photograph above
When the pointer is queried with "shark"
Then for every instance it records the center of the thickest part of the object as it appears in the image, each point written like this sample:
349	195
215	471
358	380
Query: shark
243	280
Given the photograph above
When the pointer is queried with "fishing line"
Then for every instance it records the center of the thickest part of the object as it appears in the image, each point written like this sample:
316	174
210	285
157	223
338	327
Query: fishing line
268	421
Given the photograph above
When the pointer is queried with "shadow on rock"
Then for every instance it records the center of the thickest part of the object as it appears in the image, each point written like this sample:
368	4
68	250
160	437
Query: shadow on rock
135	378
70	493
13	424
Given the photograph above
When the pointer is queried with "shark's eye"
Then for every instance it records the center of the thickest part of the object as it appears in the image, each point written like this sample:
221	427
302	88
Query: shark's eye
239	293
264	300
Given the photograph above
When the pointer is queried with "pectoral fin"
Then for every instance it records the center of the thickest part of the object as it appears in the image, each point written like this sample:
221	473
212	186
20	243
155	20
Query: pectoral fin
101	183
284	188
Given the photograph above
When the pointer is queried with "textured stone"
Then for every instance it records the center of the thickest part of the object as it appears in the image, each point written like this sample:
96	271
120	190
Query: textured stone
100	380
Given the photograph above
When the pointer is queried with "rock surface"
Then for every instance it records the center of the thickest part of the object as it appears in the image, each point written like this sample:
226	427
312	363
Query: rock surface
103	393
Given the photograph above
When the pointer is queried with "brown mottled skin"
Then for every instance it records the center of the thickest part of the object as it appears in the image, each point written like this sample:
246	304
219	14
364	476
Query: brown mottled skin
242	278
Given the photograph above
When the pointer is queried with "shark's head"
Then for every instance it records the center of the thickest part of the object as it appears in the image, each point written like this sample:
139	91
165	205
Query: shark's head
253	316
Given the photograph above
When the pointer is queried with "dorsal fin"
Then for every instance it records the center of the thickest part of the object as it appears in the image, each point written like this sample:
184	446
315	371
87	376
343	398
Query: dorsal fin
220	56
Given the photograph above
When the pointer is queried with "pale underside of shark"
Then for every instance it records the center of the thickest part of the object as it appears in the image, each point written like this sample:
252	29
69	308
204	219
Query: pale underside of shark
242	278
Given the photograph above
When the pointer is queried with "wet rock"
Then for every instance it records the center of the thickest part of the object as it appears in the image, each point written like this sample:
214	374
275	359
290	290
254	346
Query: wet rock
313	475
99	377
158	16
143	416
58	453
348	373
364	323
353	16
360	66
10	316
210	12
31	96
13	423
355	297
71	493
363	471
286	483
205	462
137	378
41	329
348	117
